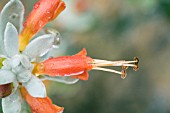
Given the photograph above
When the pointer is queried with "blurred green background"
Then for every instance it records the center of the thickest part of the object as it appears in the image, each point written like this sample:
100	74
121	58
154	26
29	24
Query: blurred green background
115	30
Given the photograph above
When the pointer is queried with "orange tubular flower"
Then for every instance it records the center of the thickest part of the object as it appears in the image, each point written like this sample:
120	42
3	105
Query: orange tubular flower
40	105
77	66
43	12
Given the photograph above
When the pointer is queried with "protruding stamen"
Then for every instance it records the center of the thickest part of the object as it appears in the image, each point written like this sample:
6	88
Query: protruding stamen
97	64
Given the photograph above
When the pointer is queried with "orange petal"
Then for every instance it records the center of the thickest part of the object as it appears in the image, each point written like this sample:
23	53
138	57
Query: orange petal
40	105
82	53
60	8
43	12
83	76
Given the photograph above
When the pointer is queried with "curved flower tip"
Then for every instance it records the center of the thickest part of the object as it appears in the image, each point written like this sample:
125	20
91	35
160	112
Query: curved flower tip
43	12
40	105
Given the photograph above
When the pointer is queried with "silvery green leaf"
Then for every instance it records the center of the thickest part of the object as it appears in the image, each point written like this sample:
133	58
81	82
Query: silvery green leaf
26	63
6	77
11	40
24	76
12	103
12	12
15	61
39	46
15	85
62	79
25	107
35	87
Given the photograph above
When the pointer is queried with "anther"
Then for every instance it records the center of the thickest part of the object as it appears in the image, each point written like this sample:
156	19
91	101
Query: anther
136	67
124	74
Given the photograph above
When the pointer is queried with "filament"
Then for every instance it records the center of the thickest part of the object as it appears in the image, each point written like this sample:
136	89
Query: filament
99	64
108	70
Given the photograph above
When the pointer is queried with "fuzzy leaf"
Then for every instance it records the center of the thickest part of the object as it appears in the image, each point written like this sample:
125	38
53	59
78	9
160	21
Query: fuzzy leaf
6	77
11	40
39	46
12	103
25	107
35	87
12	12
24	76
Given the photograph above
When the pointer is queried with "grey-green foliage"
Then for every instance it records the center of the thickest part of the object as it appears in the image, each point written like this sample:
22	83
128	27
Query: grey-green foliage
12	12
13	101
11	45
25	107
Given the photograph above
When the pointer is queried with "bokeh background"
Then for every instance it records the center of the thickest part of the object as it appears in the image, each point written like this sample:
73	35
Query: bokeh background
115	30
